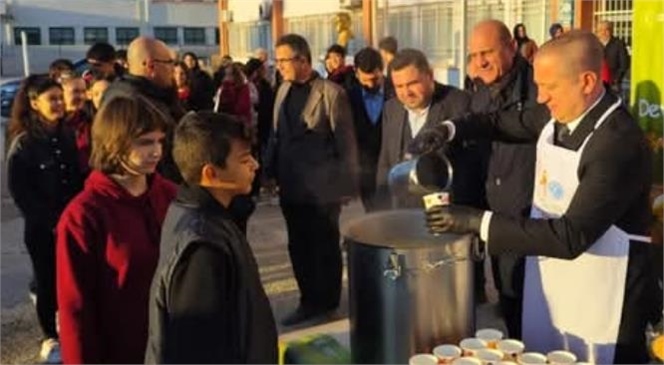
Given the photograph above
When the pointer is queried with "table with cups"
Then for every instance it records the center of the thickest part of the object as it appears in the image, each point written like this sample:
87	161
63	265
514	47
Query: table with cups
488	347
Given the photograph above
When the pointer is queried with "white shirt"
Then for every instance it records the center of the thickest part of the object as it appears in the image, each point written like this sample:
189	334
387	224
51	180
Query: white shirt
416	119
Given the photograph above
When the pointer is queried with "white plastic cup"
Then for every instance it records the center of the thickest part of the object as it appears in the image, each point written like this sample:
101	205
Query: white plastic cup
467	360
446	353
471	345
423	359
532	358
490	335
490	356
561	357
511	348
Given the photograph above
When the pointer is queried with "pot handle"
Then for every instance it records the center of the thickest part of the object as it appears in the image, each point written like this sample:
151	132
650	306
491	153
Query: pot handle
477	249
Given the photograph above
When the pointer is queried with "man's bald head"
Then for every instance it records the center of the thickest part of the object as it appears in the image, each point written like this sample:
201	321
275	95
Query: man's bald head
577	50
491	50
567	74
152	59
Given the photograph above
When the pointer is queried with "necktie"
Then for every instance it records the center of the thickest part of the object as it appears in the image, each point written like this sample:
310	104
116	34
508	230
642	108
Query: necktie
563	133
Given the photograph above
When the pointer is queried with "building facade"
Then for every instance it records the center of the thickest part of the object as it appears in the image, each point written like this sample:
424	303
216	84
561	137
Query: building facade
66	28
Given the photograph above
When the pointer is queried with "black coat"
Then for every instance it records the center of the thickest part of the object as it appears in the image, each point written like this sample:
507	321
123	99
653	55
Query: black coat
614	186
201	89
616	57
207	303
447	103
368	137
43	175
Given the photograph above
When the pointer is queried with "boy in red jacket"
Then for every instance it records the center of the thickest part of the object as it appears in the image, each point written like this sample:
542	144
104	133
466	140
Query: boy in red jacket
108	238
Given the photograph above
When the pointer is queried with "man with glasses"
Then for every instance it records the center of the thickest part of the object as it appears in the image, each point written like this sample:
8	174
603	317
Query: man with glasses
312	153
150	74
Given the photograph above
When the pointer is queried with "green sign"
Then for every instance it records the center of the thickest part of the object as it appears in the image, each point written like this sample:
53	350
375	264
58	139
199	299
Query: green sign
647	76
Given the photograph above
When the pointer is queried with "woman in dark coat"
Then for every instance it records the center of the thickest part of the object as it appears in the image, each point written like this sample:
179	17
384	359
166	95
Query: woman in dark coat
43	174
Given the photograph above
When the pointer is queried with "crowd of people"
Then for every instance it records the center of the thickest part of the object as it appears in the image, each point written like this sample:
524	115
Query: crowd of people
137	179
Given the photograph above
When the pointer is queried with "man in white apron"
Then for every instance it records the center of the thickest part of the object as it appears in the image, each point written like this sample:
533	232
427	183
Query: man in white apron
587	272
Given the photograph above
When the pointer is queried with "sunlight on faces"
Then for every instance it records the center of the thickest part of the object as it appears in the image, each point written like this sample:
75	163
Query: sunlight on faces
238	174
96	92
370	81
413	88
74	94
333	61
180	76
144	154
288	63
565	91
50	105
189	61
490	56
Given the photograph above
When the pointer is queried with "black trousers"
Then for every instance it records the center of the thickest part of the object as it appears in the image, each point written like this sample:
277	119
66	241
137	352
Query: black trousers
508	273
313	245
40	242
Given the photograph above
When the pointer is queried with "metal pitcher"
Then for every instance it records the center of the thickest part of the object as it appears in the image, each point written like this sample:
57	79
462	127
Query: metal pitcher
421	175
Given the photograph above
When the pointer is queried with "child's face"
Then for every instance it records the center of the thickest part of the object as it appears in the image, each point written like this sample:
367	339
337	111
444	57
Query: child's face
145	153
96	92
240	167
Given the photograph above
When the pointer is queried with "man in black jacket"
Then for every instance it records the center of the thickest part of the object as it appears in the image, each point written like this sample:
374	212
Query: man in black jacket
312	154
587	276
503	80
367	98
615	54
207	303
420	102
151	75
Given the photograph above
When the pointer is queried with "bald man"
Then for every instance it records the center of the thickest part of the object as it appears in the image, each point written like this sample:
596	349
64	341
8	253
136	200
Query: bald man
615	54
502	79
586	281
150	74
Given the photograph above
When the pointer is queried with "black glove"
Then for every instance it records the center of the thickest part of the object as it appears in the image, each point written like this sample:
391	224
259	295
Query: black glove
429	139
454	219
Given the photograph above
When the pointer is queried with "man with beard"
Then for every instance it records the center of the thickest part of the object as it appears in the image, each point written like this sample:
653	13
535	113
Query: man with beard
150	74
367	98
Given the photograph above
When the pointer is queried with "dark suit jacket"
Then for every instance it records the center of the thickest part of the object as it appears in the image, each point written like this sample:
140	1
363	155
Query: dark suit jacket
447	102
315	162
368	138
615	54
614	183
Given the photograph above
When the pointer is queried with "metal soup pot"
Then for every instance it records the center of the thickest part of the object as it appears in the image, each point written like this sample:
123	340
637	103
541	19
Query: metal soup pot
409	290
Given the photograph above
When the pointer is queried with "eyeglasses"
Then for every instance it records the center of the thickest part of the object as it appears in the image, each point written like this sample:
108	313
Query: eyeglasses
285	60
166	62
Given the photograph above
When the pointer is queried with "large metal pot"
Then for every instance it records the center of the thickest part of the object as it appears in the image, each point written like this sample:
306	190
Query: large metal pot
409	290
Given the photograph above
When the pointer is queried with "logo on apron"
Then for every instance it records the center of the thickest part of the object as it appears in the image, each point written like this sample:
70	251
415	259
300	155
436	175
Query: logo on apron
556	190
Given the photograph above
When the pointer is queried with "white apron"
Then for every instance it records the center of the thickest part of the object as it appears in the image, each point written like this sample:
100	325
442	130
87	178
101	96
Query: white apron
573	305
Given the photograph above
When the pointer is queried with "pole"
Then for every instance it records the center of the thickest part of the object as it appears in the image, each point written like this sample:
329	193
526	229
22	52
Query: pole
24	48
462	44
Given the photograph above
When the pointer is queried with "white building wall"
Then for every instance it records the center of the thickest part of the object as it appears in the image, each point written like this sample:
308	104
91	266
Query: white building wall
110	14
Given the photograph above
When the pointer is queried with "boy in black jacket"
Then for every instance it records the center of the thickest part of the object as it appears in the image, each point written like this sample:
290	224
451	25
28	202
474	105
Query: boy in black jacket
207	303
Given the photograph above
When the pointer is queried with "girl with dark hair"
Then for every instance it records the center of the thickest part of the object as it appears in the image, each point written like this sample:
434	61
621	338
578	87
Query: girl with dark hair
108	237
181	78
526	46
234	96
201	86
43	175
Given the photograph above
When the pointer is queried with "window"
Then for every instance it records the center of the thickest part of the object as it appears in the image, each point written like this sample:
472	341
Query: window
61	36
94	35
194	35
124	36
33	35
168	35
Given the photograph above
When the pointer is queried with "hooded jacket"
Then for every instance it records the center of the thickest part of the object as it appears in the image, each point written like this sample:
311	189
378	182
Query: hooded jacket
107	251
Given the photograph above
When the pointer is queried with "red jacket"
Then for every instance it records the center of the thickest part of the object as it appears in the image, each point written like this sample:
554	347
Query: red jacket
236	100
81	124
107	251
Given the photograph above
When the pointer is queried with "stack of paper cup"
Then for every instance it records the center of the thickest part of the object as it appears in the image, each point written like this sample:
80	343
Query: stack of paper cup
561	357
446	353
511	348
490	336
471	345
423	359
490	356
